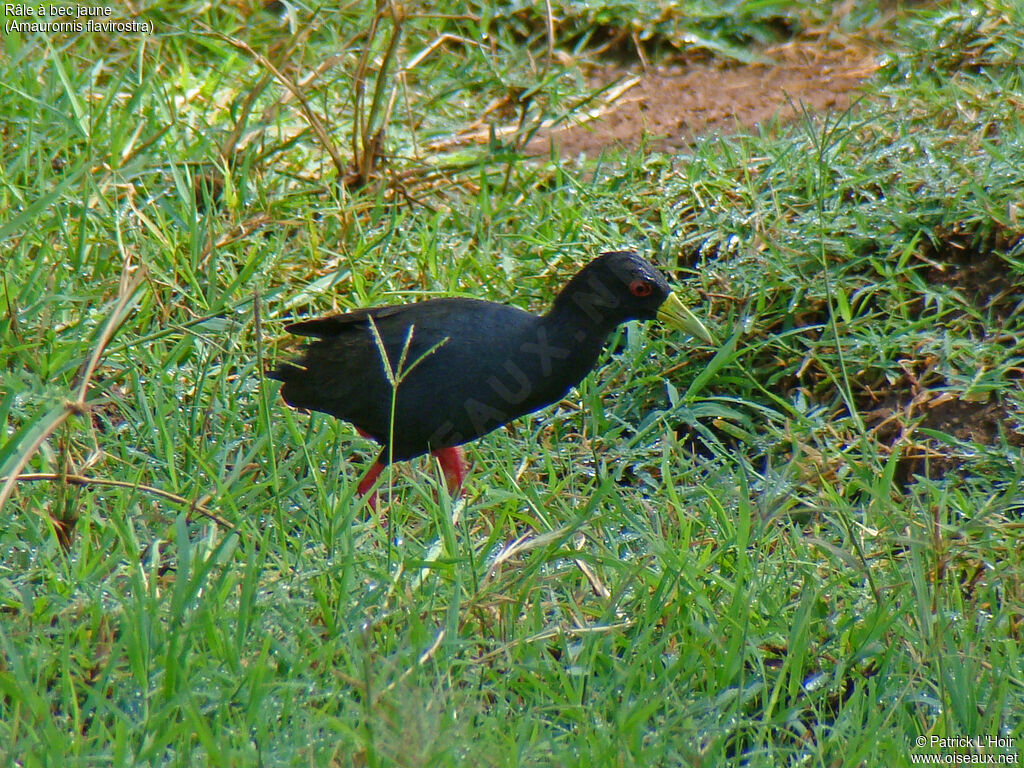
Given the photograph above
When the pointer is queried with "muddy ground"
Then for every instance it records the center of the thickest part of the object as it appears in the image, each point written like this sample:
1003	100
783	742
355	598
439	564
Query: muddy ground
671	105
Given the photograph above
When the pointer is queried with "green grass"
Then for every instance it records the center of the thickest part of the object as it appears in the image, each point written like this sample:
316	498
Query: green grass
779	552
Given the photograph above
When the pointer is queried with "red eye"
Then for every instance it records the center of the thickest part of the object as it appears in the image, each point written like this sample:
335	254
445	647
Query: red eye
641	288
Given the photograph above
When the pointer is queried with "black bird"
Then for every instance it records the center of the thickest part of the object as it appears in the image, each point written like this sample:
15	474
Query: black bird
459	368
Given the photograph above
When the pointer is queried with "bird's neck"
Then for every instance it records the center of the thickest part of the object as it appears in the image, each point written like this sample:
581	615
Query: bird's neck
575	339
583	325
587	303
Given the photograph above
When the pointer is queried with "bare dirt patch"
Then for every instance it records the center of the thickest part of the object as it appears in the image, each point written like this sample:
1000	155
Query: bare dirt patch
971	263
899	417
673	104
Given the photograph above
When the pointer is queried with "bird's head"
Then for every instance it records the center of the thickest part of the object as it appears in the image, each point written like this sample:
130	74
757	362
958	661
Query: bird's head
618	286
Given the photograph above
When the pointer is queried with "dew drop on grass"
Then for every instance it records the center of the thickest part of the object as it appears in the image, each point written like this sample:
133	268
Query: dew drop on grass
814	682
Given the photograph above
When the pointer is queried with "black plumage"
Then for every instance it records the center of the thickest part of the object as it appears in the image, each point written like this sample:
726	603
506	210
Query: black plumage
463	367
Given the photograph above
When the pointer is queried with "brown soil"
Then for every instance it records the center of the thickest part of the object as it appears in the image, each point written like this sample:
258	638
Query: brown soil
671	105
985	280
900	415
974	268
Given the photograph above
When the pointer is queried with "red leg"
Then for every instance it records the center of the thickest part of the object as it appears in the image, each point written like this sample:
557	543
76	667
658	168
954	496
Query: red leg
455	467
370	477
367	483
